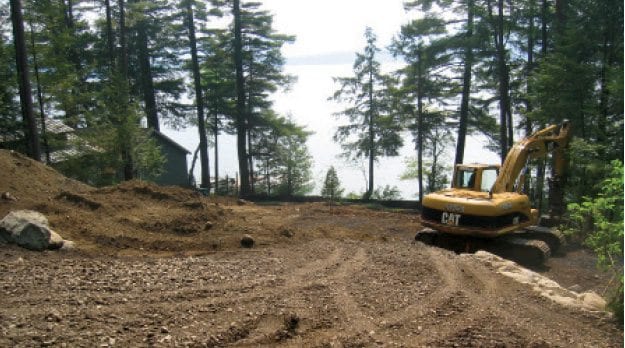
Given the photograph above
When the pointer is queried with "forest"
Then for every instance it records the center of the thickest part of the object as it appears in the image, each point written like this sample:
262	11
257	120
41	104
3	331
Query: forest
109	70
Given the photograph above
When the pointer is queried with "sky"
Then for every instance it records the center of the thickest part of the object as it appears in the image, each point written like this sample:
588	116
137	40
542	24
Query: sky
328	35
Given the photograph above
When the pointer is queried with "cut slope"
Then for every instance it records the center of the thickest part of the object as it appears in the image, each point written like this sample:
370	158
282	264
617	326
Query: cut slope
131	216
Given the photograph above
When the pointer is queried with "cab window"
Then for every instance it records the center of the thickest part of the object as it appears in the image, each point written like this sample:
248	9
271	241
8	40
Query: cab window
488	179
465	178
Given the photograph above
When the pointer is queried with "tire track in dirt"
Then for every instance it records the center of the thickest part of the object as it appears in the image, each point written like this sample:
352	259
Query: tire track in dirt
449	306
301	291
358	322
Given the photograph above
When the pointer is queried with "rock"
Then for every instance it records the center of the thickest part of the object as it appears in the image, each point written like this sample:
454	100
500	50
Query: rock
56	241
29	229
287	232
68	245
208	225
7	196
54	316
593	301
247	241
576	288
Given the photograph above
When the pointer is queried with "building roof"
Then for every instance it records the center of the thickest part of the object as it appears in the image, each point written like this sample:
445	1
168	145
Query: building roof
55	126
170	141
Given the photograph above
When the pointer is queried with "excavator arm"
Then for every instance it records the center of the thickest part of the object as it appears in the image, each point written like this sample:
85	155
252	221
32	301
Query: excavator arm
553	138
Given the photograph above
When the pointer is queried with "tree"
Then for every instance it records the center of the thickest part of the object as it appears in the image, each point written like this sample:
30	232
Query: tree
373	130
10	118
199	100
386	193
240	102
572	82
426	54
30	125
262	64
218	78
283	157
331	185
598	221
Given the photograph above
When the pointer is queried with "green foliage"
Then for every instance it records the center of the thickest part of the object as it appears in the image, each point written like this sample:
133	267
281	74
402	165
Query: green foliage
354	195
331	186
293	168
599	222
436	180
386	193
284	158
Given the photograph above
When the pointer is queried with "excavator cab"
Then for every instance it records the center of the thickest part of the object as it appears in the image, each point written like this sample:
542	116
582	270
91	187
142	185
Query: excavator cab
475	177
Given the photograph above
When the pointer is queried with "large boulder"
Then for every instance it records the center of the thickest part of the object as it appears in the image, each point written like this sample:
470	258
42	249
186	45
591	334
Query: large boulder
29	229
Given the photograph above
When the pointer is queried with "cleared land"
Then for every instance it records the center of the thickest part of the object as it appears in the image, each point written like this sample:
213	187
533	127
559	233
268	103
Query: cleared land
163	267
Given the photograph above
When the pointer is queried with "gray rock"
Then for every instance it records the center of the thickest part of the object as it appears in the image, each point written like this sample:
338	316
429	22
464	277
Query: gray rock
29	229
56	241
576	288
68	245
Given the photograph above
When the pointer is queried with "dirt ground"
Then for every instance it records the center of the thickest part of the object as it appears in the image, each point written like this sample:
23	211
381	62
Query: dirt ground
163	267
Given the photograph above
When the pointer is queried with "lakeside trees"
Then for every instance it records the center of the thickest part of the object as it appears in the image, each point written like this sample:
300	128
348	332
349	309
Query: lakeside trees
105	67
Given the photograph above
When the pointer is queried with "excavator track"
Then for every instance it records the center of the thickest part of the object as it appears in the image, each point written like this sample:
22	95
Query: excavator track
529	252
553	237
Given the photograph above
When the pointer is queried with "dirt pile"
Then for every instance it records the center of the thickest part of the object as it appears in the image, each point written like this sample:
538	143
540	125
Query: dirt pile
127	218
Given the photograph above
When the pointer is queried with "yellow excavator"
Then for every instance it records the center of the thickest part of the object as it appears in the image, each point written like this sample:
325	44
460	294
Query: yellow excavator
485	208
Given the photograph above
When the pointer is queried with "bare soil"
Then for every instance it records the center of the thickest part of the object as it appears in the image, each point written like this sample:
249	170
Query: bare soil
161	266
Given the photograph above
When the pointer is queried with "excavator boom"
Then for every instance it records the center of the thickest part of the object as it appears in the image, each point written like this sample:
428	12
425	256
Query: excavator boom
551	139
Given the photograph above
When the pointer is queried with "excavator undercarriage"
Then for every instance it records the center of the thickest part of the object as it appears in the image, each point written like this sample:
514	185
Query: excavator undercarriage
531	246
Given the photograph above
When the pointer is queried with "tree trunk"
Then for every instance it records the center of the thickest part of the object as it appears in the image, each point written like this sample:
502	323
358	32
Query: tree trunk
216	156
420	125
240	89
371	133
123	68
110	39
42	114
26	101
191	176
199	100
267	177
502	75
147	83
123	49
543	28
433	171
528	86
466	87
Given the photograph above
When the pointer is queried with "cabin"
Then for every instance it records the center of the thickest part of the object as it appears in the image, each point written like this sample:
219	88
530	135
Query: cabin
175	167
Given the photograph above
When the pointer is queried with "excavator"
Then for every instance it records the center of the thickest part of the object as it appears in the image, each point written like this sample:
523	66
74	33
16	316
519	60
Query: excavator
486	209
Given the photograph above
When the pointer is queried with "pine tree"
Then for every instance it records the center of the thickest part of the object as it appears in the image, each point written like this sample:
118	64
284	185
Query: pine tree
10	118
331	186
420	43
199	100
373	130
